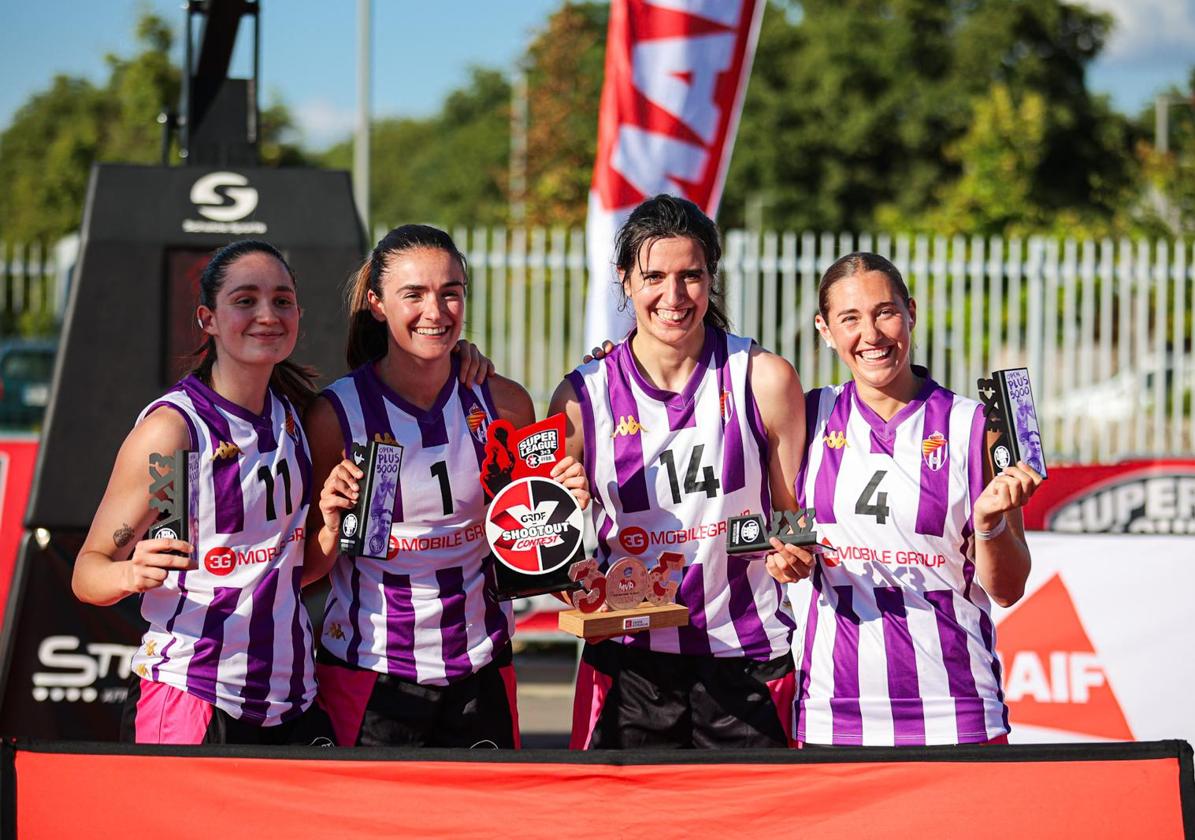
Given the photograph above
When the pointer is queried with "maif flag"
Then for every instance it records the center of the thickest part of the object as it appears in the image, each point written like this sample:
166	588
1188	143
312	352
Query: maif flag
676	73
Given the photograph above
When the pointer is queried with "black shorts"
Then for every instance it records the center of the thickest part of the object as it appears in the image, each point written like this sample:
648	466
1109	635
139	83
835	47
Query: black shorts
369	709
630	698
155	713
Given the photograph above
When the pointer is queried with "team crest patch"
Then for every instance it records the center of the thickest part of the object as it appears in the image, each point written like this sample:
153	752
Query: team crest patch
726	403
477	423
292	428
226	451
834	440
934	451
627	426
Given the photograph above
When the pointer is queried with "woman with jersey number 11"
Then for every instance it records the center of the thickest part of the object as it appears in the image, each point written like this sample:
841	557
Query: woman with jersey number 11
227	657
897	646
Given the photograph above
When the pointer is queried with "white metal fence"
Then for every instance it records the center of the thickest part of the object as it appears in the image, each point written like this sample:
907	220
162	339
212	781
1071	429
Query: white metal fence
1105	327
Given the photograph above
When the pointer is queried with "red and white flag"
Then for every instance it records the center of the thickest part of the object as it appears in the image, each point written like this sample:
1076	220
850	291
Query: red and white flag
676	73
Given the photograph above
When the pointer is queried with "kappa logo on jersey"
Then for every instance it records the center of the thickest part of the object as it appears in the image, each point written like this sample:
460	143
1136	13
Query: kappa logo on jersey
151	647
534	525
385	437
634	540
226	451
726	403
934	451
539	448
627	425
477	422
336	631
1054	677
834	440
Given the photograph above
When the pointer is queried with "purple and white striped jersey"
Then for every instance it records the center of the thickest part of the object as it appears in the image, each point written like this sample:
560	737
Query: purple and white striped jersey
897	647
233	630
665	471
427	613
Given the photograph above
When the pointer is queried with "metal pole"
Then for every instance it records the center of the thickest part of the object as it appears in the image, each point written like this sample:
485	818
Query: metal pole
1162	124
518	147
361	138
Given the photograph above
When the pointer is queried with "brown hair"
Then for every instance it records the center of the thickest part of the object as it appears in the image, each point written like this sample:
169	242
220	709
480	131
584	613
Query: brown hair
665	217
294	381
368	338
860	262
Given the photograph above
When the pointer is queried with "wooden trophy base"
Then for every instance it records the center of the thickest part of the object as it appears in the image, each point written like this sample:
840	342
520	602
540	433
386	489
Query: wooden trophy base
595	625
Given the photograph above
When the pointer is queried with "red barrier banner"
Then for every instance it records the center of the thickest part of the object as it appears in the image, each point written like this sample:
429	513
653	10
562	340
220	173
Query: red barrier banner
676	73
1133	497
17	458
1105	790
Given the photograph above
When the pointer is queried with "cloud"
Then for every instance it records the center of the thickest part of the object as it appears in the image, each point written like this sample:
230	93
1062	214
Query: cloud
1146	29
323	123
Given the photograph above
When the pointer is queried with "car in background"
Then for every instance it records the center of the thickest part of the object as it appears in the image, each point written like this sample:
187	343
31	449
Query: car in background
26	367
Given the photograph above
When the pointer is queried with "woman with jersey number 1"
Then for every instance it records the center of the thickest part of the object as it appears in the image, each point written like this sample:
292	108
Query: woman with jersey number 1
228	656
415	648
679	426
897	645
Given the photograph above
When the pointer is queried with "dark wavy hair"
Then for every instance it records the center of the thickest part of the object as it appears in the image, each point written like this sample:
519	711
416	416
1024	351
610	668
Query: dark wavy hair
665	217
294	381
368	337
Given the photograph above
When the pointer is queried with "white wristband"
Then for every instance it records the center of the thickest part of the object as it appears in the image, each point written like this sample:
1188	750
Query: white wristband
994	532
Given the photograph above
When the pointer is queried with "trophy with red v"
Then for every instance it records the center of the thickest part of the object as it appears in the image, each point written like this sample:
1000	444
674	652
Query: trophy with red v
534	526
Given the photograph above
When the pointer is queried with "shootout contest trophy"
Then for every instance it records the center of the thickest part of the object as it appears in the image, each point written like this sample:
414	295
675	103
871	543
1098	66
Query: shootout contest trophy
1013	431
535	528
173	479
751	534
365	530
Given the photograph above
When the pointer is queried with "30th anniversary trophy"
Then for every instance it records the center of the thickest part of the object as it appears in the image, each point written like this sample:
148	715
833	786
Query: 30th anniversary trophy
535	529
173	479
1011	420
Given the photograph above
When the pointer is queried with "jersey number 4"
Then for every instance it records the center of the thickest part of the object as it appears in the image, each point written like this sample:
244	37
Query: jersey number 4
864	506
708	483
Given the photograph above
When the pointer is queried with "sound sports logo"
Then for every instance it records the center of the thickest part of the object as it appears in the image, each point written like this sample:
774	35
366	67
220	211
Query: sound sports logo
223	199
1053	675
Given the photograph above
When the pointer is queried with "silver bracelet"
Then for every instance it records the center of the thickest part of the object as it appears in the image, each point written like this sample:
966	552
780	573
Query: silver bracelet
993	533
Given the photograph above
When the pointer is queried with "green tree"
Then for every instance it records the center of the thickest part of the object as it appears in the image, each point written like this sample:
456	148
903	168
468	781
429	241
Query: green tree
854	106
565	68
448	169
1167	202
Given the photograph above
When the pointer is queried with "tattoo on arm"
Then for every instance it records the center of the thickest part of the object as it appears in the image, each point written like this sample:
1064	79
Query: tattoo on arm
122	535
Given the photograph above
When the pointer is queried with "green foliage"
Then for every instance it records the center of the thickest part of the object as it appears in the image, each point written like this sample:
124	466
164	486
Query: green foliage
1167	205
865	113
565	69
448	169
47	152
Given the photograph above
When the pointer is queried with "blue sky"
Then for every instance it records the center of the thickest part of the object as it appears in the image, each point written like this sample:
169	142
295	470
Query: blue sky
423	49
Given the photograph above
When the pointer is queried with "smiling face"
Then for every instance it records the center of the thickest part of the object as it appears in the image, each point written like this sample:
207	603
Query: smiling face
256	316
868	324
669	287
422	302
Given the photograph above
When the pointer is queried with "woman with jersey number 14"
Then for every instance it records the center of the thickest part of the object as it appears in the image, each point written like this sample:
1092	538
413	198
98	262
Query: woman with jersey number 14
415	649
679	426
897	646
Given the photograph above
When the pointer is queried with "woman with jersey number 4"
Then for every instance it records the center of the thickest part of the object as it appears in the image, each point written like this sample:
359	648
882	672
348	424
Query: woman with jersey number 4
897	646
680	426
227	657
415	648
